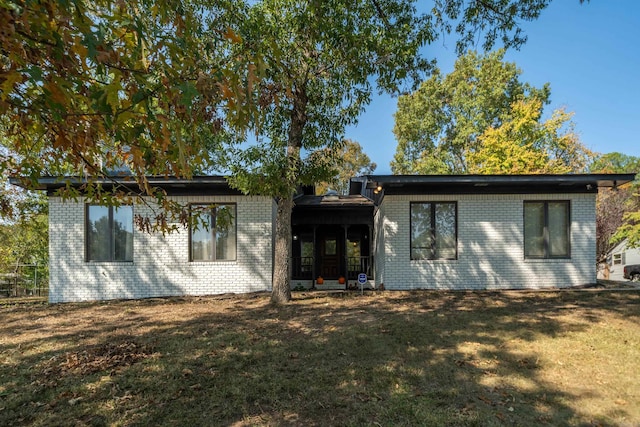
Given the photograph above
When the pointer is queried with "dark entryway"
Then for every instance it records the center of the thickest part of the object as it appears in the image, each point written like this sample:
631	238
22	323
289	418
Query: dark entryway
331	237
330	254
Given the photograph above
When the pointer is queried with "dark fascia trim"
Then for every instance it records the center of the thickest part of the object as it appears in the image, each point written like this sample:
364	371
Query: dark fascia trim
315	208
173	185
586	183
392	184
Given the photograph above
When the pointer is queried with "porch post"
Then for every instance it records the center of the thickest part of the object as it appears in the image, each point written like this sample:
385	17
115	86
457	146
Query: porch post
345	256
313	259
371	264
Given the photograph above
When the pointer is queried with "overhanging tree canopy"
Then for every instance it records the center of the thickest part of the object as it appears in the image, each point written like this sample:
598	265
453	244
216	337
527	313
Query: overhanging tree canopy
93	87
150	84
323	60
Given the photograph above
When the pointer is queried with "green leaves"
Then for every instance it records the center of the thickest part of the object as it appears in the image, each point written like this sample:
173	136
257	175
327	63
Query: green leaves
322	61
189	93
618	210
24	235
630	229
437	125
341	163
495	20
525	144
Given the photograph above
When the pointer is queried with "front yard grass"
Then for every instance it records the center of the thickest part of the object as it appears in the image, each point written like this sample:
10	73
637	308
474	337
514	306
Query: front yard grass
382	358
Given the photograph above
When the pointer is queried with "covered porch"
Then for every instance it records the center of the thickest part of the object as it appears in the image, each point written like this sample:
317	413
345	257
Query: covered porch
332	238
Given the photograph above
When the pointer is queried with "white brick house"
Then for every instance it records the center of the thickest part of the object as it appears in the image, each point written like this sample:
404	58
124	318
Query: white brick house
405	232
500	232
490	244
141	264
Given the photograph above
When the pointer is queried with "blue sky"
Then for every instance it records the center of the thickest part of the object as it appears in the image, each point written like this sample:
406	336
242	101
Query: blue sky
590	55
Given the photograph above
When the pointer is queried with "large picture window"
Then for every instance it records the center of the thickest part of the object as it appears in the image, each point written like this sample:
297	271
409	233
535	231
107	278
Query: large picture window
109	233
434	230
546	229
213	233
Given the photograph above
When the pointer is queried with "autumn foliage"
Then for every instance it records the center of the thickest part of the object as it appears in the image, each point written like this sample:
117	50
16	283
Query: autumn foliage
89	88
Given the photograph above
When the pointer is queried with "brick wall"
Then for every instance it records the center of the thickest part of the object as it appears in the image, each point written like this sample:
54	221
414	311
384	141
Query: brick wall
490	251
161	265
490	246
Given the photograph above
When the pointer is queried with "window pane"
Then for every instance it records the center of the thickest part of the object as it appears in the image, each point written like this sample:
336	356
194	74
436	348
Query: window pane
307	254
355	262
225	233
421	236
419	253
353	248
559	228
420	223
98	234
330	247
201	238
445	230
307	248
123	233
213	233
534	229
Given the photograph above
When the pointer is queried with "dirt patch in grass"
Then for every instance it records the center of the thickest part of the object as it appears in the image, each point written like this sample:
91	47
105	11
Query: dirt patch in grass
390	358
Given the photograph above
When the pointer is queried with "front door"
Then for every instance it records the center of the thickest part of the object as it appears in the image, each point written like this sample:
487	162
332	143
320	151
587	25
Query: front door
330	256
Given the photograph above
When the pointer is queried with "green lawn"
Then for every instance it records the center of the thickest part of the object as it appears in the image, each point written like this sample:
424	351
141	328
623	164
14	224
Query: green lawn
387	358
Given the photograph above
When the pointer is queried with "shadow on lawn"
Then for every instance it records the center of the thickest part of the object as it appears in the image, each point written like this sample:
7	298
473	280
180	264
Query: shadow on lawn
420	358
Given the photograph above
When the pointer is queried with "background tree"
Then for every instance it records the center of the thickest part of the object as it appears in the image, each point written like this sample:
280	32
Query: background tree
630	228
437	125
614	206
24	235
349	161
615	163
524	144
611	206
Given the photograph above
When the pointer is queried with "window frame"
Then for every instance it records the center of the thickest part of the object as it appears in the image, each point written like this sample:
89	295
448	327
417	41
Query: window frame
546	240
87	248
432	228
211	210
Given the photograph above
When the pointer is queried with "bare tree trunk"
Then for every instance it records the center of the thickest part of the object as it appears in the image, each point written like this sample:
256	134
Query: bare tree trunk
281	289
281	292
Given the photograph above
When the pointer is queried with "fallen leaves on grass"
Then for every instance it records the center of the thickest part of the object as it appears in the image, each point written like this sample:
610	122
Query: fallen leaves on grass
95	359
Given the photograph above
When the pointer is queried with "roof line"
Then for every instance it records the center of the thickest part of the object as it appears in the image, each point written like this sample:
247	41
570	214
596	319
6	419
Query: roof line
602	180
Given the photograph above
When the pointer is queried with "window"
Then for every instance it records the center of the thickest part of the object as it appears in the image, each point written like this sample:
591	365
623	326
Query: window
307	254
356	264
330	246
353	248
434	230
546	229
617	259
109	233
213	233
